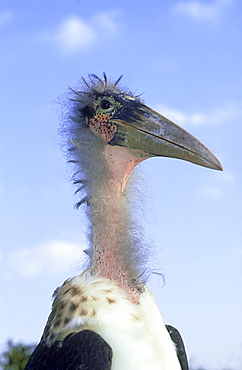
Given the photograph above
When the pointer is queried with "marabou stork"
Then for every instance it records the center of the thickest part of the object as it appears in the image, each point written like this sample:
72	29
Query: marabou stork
106	318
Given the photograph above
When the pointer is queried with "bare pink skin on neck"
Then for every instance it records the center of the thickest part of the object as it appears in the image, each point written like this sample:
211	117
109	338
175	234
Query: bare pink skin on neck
121	161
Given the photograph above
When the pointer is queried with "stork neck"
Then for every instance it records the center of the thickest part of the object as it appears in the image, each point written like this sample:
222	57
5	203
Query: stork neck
110	216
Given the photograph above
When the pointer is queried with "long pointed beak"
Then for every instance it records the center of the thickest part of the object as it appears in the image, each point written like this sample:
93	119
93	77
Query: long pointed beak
149	131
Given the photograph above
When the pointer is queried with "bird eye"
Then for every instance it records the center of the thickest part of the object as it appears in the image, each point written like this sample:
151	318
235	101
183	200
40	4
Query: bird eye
106	104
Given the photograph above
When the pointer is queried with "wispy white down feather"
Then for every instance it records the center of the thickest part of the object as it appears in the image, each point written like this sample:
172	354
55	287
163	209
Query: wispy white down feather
85	150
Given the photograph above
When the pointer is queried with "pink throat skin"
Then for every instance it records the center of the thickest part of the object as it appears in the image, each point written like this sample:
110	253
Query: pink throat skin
107	261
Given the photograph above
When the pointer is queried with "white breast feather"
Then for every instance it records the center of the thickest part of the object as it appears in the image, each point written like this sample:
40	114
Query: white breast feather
136	333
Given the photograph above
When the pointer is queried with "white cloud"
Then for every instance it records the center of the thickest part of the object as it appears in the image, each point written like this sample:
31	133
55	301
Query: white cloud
200	10
107	21
212	191
221	180
53	257
6	17
225	177
75	34
229	111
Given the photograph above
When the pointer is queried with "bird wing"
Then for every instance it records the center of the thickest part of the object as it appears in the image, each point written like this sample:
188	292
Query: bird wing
82	350
180	348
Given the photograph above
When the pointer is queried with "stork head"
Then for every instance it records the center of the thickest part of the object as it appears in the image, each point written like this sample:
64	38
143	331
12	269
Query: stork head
120	119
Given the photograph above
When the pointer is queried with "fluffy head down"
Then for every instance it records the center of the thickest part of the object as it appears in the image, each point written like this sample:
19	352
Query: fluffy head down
83	144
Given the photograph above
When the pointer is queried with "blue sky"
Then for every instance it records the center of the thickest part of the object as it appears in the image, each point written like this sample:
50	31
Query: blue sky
185	57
